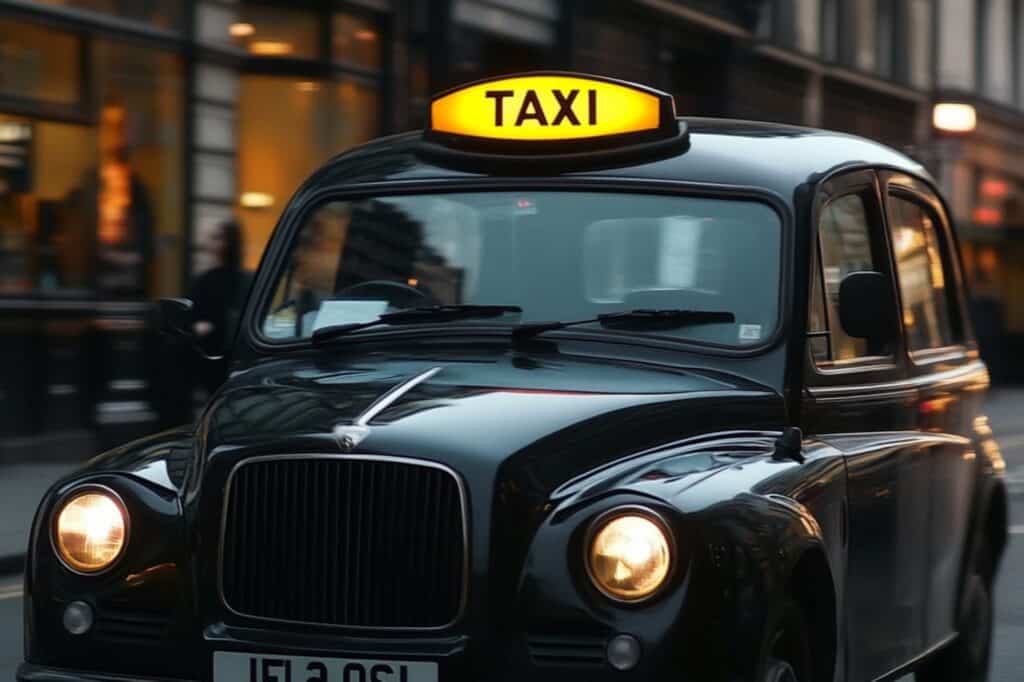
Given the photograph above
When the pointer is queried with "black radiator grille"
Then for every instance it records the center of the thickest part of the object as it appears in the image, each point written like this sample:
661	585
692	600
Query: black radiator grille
355	542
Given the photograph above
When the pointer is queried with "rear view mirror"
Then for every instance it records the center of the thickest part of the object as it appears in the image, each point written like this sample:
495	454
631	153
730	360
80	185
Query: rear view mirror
867	307
176	316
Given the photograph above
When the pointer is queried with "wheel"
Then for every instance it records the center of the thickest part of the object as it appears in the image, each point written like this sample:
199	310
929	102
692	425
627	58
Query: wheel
786	652
967	659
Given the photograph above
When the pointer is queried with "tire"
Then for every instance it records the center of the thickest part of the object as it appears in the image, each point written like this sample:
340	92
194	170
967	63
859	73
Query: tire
968	658
786	652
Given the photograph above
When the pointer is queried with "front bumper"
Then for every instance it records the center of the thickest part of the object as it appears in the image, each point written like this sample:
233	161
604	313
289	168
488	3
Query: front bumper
28	672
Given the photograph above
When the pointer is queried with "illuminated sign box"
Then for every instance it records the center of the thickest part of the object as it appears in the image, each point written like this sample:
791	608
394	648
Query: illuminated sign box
551	112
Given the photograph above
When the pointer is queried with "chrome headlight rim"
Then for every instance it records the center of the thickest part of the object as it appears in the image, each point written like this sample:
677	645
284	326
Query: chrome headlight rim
631	509
62	502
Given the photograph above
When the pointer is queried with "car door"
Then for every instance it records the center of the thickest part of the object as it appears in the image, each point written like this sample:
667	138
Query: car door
858	398
949	377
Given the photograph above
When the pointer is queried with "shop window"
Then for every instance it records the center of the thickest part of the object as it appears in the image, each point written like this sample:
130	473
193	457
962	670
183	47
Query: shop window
617	47
795	24
39	64
43	246
998	202
164	14
98	206
866	22
744	14
885	39
830	30
356	40
333	115
274	32
492	37
923	281
141	138
919	40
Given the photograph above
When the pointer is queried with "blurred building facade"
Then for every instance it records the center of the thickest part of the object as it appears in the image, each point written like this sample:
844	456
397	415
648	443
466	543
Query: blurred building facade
130	128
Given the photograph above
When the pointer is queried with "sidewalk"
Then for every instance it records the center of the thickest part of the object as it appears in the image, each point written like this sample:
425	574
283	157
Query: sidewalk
22	485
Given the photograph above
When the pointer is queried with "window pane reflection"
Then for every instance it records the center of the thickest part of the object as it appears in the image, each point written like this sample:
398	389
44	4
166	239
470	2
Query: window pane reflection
333	115
43	244
98	206
356	40
138	196
926	315
845	248
39	63
272	32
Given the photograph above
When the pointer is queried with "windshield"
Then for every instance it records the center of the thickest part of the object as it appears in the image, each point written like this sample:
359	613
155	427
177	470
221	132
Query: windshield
562	255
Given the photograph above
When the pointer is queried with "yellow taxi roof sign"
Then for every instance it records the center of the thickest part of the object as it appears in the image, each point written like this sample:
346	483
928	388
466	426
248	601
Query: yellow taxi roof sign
536	111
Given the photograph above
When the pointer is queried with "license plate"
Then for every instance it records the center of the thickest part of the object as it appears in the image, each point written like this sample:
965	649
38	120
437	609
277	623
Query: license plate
235	667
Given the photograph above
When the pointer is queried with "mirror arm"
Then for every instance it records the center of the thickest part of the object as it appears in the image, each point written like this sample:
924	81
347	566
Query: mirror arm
194	345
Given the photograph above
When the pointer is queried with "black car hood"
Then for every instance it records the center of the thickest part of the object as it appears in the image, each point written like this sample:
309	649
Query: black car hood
575	412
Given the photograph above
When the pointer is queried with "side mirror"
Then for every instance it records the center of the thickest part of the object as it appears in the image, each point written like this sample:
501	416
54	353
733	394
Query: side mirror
176	316
867	307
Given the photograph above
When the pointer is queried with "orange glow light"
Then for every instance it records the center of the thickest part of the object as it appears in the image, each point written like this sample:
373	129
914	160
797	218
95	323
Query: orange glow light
994	188
986	215
270	48
256	200
241	30
366	35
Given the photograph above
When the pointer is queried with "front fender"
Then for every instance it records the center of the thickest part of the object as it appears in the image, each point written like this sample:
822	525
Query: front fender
144	614
734	569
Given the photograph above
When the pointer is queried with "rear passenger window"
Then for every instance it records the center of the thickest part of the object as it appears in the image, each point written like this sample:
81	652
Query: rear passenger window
845	240
922	276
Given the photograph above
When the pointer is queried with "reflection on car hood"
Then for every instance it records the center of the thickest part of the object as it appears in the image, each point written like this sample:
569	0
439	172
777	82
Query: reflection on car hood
482	407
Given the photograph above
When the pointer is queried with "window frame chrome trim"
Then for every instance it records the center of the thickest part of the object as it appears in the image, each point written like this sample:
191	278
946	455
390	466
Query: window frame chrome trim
394	459
908	386
856	180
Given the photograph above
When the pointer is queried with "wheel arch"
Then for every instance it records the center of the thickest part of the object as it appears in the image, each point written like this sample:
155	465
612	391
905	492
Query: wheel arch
810	583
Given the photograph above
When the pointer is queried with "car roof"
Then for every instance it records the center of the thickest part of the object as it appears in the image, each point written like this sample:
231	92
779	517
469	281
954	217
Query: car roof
768	156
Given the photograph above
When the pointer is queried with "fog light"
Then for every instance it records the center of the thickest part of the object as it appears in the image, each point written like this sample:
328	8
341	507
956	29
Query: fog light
78	618
623	652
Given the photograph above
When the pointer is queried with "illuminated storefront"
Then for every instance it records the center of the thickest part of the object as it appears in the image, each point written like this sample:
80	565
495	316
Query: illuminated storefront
128	130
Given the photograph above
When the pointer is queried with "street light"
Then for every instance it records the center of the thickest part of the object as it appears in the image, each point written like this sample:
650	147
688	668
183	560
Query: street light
954	117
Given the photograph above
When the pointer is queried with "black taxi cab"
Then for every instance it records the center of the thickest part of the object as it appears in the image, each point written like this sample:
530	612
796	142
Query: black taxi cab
563	387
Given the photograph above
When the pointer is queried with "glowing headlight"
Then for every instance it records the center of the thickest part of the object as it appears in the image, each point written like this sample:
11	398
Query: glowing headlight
90	530
629	556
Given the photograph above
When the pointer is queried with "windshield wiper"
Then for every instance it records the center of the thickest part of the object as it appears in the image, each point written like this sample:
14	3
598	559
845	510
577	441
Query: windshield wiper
429	315
642	319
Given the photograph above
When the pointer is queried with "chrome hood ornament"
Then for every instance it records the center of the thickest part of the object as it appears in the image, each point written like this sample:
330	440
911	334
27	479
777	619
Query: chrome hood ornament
349	436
